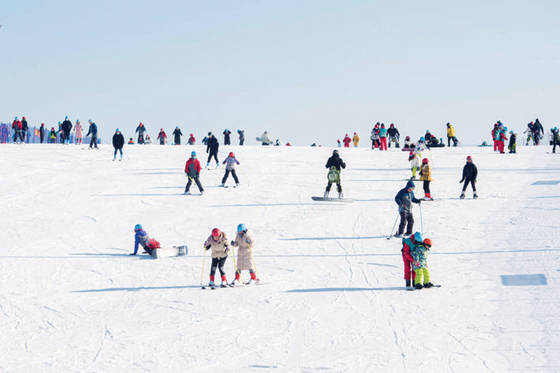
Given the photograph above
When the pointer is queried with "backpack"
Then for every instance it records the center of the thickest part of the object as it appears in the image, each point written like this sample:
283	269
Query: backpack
333	175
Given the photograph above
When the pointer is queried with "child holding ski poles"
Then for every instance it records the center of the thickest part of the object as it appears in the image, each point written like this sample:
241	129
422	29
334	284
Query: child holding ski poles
219	245
244	241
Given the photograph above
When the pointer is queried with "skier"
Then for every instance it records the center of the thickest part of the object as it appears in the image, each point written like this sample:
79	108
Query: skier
538	131
230	163
409	245
24	127
212	149
66	128
451	135
42	133
118	143
502	138
52	136
375	136
555	138
404	199
141	130
394	135
241	134
356	139
383	137
227	138
192	170
16	127
219	245
426	177
347	140
334	165
141	238
93	132
512	146
530	133
191	140
78	132
495	136
470	172
177	135
420	265
414	159
162	137
245	262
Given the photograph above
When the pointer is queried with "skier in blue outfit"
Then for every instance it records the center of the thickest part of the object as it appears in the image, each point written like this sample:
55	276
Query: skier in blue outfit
405	198
141	238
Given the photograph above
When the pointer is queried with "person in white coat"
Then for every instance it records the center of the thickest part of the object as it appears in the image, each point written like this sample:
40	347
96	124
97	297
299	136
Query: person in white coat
245	262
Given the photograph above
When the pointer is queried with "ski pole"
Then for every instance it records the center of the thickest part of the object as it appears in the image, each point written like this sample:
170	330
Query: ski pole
394	225
203	260
233	258
421	221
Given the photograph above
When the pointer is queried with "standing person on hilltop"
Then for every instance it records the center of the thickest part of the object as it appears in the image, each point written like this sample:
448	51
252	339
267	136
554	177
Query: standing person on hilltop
451	135
375	136
241	134
356	139
66	128
191	140
52	136
335	164
162	137
502	138
512	143
383	137
78	132
118	143
24	128
470	172
93	132
538	131
347	140
404	199
555	138
212	149
141	130
192	170
495	136
42	133
394	135
16	127
177	136
227	138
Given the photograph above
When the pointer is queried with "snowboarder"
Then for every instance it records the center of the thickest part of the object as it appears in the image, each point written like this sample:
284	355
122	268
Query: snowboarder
192	170
451	135
24	128
42	133
212	149
78	129
414	159
356	139
383	137
394	135
241	134
93	132
404	199
217	241
118	143
409	245
66	128
177	135
420	265
555	138
512	146
470	172
141	238
230	163
227	137
191	140
426	177
162	137
334	164
347	140
245	262
141	130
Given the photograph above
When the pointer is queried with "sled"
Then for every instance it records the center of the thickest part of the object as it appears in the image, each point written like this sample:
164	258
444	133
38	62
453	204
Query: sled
329	199
168	252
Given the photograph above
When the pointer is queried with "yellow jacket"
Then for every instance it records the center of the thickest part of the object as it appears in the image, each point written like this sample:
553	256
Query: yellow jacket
426	173
450	131
356	139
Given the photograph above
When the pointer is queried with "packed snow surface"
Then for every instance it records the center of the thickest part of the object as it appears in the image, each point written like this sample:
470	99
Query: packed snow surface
332	297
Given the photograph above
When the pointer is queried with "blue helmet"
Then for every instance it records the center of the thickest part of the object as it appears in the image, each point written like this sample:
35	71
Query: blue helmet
241	228
422	139
418	237
137	227
117	130
193	154
66	117
556	128
16	118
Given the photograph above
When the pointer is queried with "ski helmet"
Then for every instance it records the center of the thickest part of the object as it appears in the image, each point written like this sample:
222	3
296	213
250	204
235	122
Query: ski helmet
427	243
335	152
417	237
382	125
216	233
137	227
193	154
469	158
15	118
117	130
231	154
425	161
407	138
23	118
241	228
422	139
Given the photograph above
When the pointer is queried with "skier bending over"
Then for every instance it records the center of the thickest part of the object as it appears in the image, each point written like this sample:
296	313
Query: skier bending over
219	245
420	265
212	149
334	164
192	169
230	163
393	135
404	199
470	172
409	244
141	238
245	262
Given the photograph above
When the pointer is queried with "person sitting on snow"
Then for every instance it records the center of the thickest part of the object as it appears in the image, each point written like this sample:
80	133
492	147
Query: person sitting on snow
141	238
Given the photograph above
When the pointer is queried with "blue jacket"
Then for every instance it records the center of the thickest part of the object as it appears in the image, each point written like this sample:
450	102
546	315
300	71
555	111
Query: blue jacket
92	130
404	198
140	238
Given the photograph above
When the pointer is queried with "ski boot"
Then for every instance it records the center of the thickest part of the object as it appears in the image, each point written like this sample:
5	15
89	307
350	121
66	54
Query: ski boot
223	285
208	165
462	196
408	286
340	195
223	185
429	285
398	235
475	196
211	285
418	286
326	195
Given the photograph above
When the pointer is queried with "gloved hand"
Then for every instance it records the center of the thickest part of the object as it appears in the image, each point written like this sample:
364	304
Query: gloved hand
232	243
208	247
461	181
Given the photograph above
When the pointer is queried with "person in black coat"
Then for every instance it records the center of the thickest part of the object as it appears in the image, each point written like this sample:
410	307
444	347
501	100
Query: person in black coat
394	135
334	164
212	149
42	132
118	143
241	134
227	139
66	128
177	135
470	172
404	199
24	128
93	132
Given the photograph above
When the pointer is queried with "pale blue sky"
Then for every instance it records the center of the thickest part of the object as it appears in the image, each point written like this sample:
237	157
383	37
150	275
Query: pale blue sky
307	71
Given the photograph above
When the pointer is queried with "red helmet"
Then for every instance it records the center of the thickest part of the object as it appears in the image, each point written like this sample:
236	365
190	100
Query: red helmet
427	243
469	158
392	125
231	154
425	160
216	233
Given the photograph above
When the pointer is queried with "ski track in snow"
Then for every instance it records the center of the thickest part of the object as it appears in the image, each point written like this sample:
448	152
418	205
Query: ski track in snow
332	297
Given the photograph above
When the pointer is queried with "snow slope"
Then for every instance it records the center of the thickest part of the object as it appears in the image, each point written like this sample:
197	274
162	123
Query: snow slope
332	298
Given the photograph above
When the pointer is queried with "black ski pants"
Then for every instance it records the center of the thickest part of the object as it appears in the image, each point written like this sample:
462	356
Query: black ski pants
554	143
426	186
232	174
406	220
117	150
197	181
467	182
338	187
140	139
213	154
449	141
241	141
218	263
93	142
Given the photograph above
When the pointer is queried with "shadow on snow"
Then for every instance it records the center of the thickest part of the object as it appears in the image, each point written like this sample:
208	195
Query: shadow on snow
327	290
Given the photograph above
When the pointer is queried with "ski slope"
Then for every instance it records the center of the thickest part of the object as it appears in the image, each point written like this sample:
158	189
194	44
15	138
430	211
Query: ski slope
332	297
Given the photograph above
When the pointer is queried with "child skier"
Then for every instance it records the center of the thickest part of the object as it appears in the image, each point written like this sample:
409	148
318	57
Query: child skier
420	265
470	172
230	163
426	177
334	164
512	146
409	245
141	238
414	159
212	147
404	199
375	136
191	140
192	169
244	241
219	245
78	132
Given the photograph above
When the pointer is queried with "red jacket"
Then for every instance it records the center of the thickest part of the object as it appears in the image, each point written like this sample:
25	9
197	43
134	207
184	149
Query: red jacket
16	125
162	135
347	140
193	163
406	252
